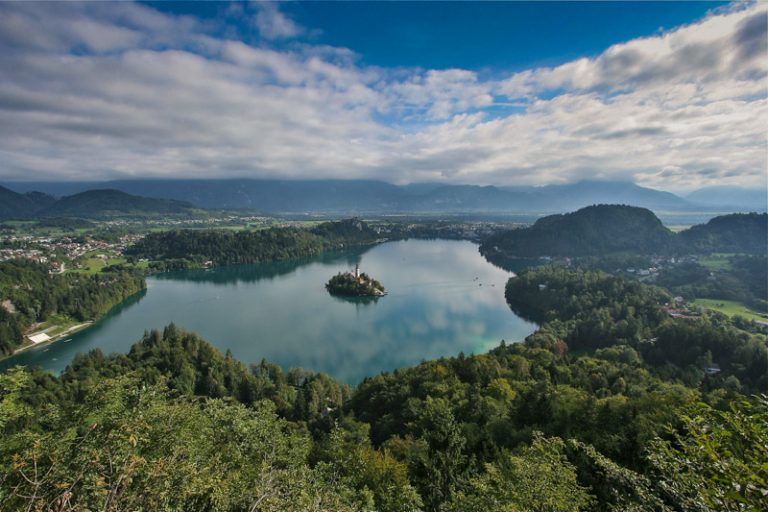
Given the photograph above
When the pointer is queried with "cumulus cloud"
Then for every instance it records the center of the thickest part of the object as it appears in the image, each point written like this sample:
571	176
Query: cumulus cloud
273	24
99	91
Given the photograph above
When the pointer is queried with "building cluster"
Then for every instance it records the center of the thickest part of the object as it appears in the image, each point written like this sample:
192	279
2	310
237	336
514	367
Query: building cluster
57	251
678	308
189	222
650	272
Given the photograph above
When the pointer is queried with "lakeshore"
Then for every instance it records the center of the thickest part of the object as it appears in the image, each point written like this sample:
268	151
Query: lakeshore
48	339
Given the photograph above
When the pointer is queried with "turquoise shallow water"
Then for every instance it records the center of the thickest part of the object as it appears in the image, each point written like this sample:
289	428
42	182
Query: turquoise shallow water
444	298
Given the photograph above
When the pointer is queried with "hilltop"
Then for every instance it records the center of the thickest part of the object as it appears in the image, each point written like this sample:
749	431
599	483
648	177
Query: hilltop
593	230
605	229
22	206
729	233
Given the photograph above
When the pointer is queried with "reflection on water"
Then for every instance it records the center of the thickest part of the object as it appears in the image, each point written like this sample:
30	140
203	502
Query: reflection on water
443	298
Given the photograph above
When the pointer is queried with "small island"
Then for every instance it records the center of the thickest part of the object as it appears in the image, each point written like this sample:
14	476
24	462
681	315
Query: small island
355	284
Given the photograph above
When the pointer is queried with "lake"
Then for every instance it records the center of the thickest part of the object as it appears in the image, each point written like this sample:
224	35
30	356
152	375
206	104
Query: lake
443	298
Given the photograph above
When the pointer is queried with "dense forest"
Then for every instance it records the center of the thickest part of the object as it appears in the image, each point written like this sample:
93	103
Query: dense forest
601	229
30	294
171	250
176	425
738	232
607	407
588	310
605	229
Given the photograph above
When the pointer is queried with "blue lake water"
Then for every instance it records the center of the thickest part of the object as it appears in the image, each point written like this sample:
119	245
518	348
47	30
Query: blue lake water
443	298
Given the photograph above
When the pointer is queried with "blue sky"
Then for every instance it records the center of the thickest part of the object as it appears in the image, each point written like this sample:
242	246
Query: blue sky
499	36
667	94
494	37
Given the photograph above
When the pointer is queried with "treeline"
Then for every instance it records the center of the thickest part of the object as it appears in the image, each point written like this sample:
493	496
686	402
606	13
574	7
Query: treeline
30	294
604	229
588	310
172	250
176	425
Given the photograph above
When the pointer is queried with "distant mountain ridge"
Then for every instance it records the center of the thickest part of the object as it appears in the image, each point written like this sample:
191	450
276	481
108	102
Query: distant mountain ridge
89	204
356	197
752	199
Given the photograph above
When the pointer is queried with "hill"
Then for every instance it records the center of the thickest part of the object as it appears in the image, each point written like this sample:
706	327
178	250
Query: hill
89	204
108	203
22	206
593	230
737	232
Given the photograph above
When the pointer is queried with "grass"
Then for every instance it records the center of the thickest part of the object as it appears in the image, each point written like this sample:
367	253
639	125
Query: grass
731	308
716	262
94	265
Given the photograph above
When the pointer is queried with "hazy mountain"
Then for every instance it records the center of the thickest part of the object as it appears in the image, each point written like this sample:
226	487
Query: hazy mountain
737	232
92	203
107	202
22	206
593	230
577	195
347	197
744	198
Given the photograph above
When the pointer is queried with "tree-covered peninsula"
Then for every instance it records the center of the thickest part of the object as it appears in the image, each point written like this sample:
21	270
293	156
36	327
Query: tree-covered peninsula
180	249
30	295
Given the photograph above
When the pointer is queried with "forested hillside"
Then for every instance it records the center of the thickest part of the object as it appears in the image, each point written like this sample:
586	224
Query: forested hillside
601	229
29	294
188	248
98	203
107	203
606	229
729	233
591	310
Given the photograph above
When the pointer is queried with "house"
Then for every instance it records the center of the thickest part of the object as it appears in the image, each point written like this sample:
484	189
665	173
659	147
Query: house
712	370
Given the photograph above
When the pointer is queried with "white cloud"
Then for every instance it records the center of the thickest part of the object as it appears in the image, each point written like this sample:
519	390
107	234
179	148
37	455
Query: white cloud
122	90
273	24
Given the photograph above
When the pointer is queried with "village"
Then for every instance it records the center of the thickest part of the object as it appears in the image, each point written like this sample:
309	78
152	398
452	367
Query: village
65	252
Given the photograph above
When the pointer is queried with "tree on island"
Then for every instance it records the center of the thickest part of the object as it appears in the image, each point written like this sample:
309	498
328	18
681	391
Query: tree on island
355	284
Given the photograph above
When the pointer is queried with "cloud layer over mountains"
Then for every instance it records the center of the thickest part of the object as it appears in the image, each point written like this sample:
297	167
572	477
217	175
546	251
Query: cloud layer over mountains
118	90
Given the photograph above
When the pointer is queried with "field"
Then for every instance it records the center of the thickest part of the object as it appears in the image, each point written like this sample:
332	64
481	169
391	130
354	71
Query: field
716	262
731	308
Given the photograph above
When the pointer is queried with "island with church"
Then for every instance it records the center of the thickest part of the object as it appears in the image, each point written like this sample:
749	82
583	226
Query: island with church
355	284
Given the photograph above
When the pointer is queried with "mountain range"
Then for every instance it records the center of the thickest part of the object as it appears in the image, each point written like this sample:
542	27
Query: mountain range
91	204
347	197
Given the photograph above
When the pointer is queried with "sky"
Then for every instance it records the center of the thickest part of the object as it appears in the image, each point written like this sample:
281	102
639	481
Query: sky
670	95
